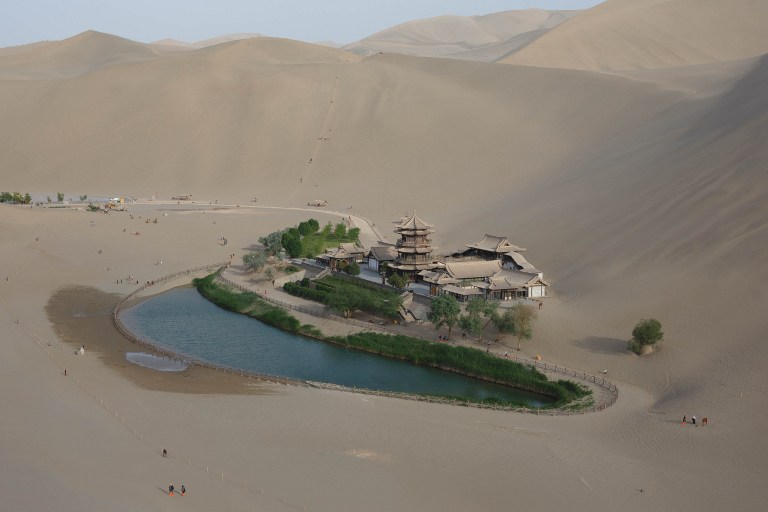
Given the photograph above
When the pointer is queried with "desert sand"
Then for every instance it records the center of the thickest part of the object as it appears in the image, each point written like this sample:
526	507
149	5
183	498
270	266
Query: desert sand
640	193
483	38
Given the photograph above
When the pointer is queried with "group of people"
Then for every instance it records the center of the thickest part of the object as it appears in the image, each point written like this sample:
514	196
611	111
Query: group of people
693	420
172	489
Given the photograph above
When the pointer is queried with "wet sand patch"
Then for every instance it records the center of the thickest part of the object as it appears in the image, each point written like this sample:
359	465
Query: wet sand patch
82	315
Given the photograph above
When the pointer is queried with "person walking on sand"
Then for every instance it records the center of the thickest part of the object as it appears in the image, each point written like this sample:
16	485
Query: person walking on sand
170	490
693	420
684	419
165	453
183	489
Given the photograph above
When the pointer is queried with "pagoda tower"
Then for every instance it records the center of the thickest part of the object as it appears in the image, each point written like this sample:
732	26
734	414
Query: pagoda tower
414	247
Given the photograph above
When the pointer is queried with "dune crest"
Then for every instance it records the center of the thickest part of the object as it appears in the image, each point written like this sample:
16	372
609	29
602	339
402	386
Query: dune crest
649	34
484	38
73	56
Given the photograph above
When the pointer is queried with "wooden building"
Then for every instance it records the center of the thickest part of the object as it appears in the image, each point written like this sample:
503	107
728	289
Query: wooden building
487	279
343	255
414	247
493	247
381	254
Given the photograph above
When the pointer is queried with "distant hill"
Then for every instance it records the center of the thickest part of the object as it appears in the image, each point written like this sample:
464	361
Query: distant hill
485	38
649	34
71	57
174	44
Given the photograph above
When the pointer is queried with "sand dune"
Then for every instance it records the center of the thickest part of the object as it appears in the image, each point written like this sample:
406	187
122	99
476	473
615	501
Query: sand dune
639	195
72	57
483	38
647	34
174	44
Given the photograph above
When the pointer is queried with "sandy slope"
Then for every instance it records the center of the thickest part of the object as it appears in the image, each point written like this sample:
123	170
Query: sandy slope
483	38
642	34
638	195
72	57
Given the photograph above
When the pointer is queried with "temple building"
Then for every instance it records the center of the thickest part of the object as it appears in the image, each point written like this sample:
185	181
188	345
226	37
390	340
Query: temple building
487	279
414	247
340	257
497	248
380	256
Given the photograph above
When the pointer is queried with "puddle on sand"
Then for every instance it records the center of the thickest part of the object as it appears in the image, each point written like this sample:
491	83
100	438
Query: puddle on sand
159	363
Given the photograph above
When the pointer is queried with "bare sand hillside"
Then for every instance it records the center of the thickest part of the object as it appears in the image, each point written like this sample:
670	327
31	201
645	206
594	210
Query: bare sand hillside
638	195
483	38
647	34
71	57
176	45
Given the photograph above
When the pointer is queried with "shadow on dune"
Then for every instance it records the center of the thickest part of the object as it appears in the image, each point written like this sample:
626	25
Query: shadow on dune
603	345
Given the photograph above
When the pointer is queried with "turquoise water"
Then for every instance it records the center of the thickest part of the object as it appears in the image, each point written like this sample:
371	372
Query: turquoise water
183	321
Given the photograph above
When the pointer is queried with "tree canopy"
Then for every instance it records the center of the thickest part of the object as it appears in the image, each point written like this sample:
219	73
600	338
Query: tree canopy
647	332
471	324
444	310
272	242
522	317
255	260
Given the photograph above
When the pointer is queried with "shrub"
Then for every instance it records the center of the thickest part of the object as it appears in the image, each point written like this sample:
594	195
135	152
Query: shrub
60	196
306	293
647	332
353	269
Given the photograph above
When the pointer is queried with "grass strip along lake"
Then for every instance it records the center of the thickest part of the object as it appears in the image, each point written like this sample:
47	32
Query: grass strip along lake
183	321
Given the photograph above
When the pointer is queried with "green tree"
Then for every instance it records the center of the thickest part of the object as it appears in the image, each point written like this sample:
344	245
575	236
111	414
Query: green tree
340	230
344	303
353	269
504	323
471	324
397	281
313	225
646	332
354	234
522	317
478	307
304	228
272	242
27	198
292	246
60	196
255	260
444	310
83	198
327	229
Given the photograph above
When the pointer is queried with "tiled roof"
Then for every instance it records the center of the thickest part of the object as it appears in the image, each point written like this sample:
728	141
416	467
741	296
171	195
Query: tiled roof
472	269
496	244
413	223
383	253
